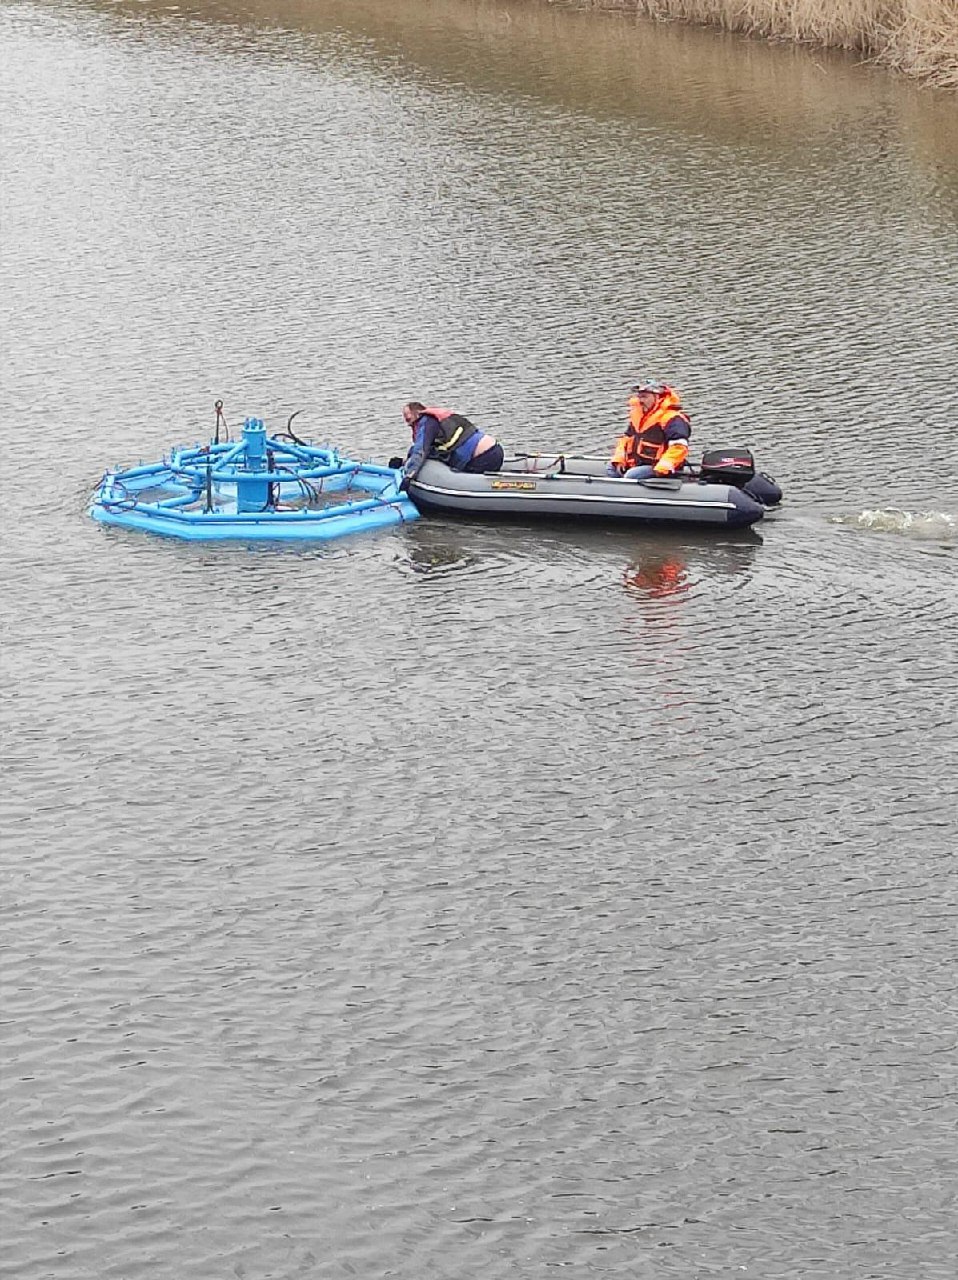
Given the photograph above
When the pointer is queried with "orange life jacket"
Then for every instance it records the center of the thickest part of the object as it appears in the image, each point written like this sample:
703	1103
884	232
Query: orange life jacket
644	441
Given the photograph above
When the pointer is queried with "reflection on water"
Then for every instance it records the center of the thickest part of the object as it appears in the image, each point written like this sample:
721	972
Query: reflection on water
772	96
650	562
657	578
434	548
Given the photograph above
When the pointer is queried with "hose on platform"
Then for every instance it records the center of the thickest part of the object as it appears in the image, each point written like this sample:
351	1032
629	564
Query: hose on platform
290	434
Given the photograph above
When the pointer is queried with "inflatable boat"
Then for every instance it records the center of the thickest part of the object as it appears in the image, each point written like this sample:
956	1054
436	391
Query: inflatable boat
724	489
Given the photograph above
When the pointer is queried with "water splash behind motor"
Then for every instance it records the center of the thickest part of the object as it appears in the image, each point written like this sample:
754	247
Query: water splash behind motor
931	525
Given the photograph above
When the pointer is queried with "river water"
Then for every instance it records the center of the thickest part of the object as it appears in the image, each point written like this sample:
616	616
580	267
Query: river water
473	900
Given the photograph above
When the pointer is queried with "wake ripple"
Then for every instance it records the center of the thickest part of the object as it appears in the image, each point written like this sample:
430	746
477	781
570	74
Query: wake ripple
935	525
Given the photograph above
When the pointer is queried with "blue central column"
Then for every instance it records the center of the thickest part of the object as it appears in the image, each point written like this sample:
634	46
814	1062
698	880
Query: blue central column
252	494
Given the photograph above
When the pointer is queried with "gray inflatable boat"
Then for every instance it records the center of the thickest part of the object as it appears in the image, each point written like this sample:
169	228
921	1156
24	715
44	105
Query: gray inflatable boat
724	489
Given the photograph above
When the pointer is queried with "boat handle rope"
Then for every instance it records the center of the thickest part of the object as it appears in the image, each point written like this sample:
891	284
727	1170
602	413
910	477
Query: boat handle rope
535	457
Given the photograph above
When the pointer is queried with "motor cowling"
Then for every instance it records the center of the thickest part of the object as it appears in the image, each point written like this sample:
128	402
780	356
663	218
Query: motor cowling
733	466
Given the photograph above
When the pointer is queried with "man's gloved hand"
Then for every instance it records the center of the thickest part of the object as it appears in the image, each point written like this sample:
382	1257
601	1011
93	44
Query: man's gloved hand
403	485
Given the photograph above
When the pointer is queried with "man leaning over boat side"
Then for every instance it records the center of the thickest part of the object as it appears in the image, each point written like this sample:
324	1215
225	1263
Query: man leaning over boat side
448	437
656	441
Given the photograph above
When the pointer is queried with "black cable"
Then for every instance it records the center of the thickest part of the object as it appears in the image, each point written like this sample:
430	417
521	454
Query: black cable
290	434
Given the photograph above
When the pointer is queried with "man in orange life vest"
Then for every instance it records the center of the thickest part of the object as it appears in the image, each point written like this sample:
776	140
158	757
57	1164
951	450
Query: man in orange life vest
656	441
450	437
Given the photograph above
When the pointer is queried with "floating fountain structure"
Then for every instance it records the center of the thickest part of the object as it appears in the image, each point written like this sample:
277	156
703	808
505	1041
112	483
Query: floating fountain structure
258	488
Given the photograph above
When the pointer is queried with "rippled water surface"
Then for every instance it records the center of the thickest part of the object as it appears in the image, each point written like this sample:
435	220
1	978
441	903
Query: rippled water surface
473	900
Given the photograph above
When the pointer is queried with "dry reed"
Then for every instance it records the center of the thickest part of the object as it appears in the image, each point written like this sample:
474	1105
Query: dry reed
918	37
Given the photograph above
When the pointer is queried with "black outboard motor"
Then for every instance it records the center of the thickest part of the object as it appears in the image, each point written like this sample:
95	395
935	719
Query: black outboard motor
736	467
727	466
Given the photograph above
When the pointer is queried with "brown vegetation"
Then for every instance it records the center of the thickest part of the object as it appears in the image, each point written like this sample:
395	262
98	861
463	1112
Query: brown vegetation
918	37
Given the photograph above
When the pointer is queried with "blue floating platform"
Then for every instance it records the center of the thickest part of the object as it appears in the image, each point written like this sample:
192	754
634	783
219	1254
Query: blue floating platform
256	489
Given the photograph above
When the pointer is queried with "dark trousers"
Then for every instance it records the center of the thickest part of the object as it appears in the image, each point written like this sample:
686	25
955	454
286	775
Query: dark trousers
491	460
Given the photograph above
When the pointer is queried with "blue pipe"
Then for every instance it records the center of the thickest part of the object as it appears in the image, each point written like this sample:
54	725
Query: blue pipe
150	469
166	504
254	442
219	455
265	517
179	473
388	514
307	452
231	477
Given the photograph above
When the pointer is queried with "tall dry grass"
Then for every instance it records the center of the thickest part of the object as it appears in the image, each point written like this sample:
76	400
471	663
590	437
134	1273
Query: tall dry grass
919	37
